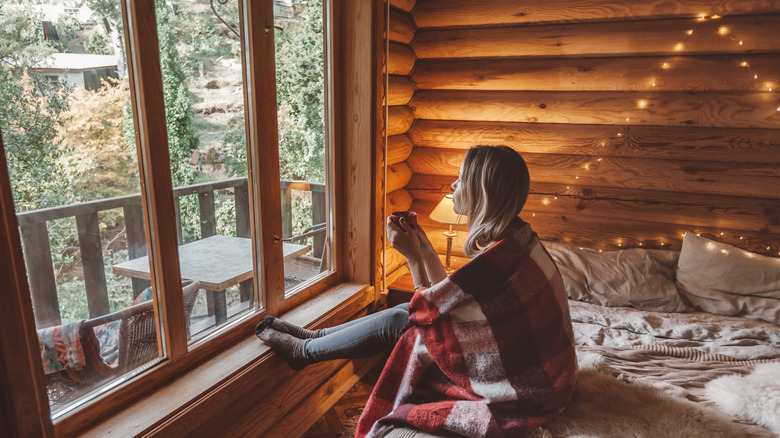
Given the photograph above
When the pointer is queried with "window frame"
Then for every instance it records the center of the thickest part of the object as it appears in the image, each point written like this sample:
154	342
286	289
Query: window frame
351	209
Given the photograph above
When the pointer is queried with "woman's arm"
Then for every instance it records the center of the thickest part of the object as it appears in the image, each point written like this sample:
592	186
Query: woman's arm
433	266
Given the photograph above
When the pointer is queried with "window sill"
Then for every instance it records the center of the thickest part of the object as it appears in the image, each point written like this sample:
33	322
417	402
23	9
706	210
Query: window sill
211	381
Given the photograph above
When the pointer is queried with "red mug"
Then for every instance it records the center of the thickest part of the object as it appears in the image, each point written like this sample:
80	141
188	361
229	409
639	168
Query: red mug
410	216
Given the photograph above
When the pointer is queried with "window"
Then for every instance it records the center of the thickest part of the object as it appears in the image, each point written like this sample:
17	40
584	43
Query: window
241	192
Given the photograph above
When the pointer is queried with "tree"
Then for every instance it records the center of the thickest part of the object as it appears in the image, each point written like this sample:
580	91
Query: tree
97	157
110	12
300	89
21	37
29	121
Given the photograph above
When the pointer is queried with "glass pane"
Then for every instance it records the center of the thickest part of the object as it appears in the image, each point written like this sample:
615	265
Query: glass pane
200	54
67	124
300	88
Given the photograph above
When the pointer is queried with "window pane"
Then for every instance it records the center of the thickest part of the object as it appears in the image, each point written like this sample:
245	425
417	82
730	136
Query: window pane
68	129
200	54
300	87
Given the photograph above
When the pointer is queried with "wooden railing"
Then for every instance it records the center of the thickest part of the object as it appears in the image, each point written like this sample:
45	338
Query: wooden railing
37	249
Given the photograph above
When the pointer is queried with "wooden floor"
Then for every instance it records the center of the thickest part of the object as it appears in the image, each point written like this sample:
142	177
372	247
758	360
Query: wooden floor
347	409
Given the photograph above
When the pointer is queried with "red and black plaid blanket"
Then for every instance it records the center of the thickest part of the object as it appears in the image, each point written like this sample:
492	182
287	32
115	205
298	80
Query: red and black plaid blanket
489	351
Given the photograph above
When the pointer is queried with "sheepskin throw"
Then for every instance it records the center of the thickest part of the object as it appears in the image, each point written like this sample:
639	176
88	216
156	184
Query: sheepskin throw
754	397
489	350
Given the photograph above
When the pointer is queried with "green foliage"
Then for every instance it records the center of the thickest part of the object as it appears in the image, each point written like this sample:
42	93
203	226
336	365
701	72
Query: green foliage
97	158
300	89
67	29
21	36
29	121
99	44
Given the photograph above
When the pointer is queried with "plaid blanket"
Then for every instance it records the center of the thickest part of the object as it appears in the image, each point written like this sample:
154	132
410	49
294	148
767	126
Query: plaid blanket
489	351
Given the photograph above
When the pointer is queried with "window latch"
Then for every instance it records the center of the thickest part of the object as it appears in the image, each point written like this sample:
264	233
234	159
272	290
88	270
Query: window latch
279	239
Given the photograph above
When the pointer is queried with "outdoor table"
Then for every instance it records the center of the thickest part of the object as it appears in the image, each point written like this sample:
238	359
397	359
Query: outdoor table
218	262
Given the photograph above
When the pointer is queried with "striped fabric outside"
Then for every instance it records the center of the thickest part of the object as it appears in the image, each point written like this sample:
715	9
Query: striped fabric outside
490	351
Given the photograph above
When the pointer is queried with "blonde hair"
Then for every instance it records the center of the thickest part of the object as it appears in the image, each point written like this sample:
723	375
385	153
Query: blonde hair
494	187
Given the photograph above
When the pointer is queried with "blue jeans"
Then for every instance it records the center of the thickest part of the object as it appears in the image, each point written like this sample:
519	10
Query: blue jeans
360	338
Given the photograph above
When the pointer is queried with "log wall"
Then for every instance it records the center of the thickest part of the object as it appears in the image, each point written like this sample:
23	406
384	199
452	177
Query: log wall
400	119
638	121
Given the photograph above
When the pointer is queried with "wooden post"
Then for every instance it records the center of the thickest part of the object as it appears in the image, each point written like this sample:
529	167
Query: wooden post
92	264
287	218
43	287
318	216
208	217
136	241
177	207
241	196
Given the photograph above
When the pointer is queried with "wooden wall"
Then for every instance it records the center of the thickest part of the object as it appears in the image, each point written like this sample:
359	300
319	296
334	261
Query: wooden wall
401	61
638	120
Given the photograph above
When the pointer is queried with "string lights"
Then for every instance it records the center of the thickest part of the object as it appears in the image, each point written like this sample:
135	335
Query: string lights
723	31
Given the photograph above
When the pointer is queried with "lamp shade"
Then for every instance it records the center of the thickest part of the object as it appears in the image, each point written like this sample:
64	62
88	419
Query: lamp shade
444	213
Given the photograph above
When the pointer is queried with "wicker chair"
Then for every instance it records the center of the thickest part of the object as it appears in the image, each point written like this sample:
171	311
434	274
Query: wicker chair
137	335
136	346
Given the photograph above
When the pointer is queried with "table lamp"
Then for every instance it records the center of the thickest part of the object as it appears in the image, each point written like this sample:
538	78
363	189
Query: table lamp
444	213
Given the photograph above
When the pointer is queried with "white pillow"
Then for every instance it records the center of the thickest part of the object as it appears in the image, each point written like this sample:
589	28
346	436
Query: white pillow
639	278
722	279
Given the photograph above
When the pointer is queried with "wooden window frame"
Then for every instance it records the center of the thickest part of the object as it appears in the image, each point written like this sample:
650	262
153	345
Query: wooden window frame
350	287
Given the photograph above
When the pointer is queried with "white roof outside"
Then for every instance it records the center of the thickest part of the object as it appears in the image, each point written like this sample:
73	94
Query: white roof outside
77	62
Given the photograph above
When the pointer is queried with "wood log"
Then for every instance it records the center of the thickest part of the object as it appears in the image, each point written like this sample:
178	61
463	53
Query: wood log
449	13
427	187
402	27
400	90
401	59
404	5
721	110
398	148
729	212
400	119
594	232
398	200
759	180
398	175
629	73
393	260
686	143
652	37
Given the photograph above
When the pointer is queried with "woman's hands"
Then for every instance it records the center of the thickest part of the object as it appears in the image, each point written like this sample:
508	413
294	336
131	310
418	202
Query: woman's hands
414	244
404	239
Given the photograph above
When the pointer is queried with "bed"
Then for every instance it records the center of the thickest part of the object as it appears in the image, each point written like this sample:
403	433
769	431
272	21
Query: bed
672	343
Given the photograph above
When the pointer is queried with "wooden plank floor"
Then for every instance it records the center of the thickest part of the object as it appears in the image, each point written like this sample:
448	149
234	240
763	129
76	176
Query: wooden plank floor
347	409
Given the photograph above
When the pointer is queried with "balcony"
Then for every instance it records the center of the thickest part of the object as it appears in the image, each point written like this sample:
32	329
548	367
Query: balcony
213	307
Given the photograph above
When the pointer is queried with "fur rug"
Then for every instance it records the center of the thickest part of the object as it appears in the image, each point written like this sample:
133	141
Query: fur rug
605	407
754	397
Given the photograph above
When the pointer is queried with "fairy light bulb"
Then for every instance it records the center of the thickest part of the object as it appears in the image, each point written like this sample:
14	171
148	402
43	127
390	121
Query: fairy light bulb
665	65
740	42
744	64
690	32
723	30
678	47
642	104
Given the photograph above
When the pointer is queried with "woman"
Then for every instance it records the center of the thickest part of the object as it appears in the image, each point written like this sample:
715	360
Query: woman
487	351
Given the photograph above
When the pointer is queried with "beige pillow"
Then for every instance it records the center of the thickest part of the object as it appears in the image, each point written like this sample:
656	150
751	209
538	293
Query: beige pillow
721	279
639	278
